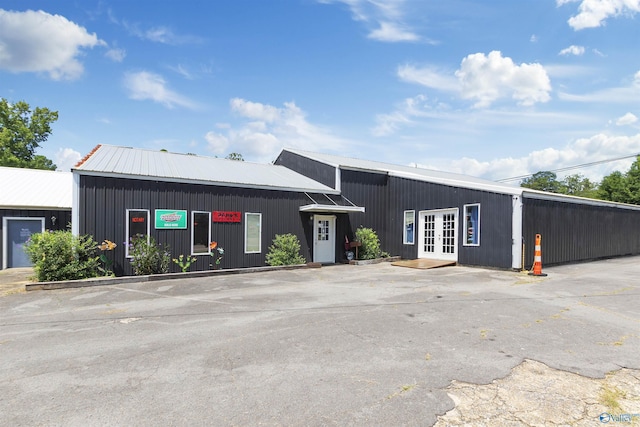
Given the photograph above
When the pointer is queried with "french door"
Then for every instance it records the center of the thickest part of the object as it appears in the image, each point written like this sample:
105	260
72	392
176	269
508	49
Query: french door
438	234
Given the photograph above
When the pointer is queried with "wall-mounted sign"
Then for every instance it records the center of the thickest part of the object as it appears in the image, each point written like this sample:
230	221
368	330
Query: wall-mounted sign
171	219
226	216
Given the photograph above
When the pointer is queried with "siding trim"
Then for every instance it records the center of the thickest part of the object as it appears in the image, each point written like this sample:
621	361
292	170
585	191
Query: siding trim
516	232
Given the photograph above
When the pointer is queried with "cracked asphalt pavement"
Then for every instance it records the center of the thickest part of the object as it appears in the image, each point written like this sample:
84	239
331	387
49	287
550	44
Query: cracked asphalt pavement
339	345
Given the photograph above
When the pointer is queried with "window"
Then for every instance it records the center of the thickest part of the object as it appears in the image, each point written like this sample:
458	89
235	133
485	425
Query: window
472	225
409	227
137	223
200	233
252	233
323	230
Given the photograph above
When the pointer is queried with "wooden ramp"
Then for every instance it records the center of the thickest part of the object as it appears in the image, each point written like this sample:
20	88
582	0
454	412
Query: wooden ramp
423	263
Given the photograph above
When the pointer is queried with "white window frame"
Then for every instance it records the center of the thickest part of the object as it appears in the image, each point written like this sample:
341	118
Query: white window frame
193	231
246	232
127	236
404	228
464	219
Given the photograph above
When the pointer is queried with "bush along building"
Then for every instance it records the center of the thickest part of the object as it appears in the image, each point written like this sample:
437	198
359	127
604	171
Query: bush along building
187	202
420	213
31	201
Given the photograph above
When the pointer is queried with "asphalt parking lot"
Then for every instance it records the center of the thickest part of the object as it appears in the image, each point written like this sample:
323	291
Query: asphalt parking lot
339	345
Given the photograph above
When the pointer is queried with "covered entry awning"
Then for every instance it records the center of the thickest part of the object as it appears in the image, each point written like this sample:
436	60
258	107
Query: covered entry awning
334	203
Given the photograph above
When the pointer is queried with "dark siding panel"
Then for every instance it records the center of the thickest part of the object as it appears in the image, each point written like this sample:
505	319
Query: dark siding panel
317	171
371	191
386	198
575	232
495	219
103	214
63	219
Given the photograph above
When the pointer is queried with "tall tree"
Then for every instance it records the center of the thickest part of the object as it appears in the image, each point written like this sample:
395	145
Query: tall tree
543	180
624	188
21	133
633	182
578	185
613	188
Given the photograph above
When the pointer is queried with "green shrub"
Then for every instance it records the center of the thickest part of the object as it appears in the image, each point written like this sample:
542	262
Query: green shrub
285	250
58	255
370	248
148	257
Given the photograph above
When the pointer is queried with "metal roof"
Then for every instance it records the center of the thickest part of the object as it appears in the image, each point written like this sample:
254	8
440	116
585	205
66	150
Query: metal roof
452	179
127	162
35	189
415	173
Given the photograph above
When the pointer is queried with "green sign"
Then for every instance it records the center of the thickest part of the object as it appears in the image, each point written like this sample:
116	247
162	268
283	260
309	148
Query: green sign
171	219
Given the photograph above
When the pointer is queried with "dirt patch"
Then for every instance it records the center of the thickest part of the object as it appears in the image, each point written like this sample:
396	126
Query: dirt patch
535	395
13	280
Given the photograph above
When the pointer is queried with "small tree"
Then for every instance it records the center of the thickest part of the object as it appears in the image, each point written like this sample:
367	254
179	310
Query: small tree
285	250
58	255
235	156
370	244
148	257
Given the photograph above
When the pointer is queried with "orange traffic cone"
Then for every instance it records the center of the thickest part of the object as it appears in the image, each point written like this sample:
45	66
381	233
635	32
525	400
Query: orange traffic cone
537	258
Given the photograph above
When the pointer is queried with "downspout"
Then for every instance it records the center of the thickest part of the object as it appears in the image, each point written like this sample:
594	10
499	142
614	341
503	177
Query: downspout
516	232
75	205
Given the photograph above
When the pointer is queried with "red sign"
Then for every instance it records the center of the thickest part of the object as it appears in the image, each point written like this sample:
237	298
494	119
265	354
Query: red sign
137	219
227	216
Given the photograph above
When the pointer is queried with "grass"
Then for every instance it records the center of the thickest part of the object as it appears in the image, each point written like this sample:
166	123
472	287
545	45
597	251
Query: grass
609	397
405	388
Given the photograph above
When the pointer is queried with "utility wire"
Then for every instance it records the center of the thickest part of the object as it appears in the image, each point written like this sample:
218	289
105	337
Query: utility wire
568	168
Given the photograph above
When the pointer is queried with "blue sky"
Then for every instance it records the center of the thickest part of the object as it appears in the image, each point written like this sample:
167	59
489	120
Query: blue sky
490	88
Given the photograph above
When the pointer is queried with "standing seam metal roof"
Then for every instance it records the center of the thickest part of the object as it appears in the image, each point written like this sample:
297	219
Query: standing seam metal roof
415	173
452	179
108	160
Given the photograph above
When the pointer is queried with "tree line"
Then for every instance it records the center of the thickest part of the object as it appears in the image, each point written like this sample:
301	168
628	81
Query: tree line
22	130
615	187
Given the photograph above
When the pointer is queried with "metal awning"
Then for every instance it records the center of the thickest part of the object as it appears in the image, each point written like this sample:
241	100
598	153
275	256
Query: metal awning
333	203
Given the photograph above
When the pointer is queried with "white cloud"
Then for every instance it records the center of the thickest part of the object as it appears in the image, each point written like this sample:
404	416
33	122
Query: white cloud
217	142
183	71
584	150
392	32
256	110
621	94
562	2
627	119
158	34
572	50
429	77
408	113
66	158
594	13
388	124
384	17
266	129
33	41
485	79
116	55
145	85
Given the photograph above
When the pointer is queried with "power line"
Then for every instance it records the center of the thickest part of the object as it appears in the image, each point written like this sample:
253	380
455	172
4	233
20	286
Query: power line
568	168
